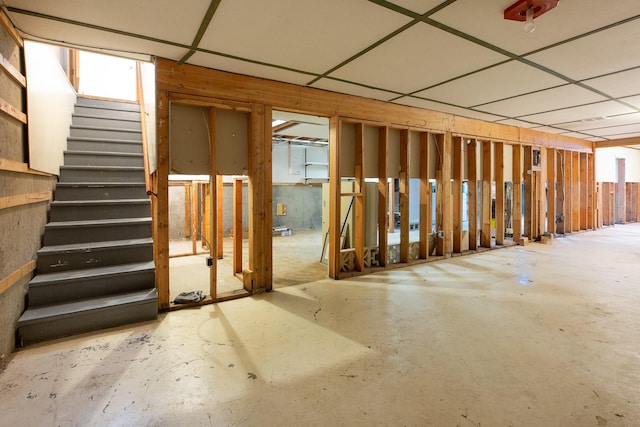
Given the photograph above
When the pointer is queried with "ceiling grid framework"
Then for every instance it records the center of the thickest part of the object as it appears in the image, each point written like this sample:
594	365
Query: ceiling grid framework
577	74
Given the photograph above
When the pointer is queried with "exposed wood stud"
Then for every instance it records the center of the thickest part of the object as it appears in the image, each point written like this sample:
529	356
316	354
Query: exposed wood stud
161	225
456	189
335	181
584	192
517	192
359	202
551	190
219	210
14	277
12	111
194	218
575	191
425	196
187	211
237	225
24	199
213	197
498	153
6	23
472	167
13	166
485	234
568	190
12	71
383	195
404	195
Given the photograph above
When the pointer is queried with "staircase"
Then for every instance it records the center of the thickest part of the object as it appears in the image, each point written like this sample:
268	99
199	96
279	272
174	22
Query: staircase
96	267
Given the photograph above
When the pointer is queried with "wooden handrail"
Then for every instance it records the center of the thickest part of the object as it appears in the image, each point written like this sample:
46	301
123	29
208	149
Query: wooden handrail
143	122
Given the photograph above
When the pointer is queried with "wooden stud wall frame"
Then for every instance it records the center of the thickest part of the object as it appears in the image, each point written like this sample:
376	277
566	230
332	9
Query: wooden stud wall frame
199	86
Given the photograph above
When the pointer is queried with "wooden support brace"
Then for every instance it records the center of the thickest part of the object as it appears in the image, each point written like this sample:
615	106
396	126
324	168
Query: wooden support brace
12	71
425	197
12	111
472	167
335	181
213	197
551	190
219	210
237	225
383	195
359	202
14	277
24	199
456	201
517	192
404	195
485	234
498	152
161	224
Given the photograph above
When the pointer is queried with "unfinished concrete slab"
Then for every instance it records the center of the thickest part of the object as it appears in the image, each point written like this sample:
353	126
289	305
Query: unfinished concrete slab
535	335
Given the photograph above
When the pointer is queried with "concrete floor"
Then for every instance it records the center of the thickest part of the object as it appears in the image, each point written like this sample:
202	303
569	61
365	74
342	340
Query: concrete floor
541	335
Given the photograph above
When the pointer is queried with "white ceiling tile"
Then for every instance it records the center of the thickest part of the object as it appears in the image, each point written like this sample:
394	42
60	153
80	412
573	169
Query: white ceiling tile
619	120
616	130
243	67
417	6
485	20
86	38
305	35
600	109
550	99
417	58
352	89
436	106
576	135
604	52
594	139
307	130
499	82
549	129
618	84
633	100
162	19
518	123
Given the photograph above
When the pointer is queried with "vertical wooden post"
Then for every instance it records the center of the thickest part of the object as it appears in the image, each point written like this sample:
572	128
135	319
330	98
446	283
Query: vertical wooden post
194	218
457	194
425	197
498	154
517	192
447	223
161	223
551	190
560	193
383	192
260	209
237	225
584	192
485	234
335	189
213	216
187	211
568	193
529	199
74	69
404	195
575	191
592	214
620	198
391	207
359	202
472	167
219	209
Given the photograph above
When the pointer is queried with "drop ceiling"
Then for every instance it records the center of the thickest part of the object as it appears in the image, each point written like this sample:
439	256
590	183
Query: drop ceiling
577	74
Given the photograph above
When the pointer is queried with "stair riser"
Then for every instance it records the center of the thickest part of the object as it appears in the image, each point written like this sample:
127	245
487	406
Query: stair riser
71	290
75	175
75	159
103	103
111	146
100	193
111	114
97	233
93	258
105	122
88	321
81	213
106	133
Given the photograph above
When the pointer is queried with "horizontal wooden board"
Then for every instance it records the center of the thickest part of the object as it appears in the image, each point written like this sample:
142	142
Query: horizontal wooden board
24	199
13	278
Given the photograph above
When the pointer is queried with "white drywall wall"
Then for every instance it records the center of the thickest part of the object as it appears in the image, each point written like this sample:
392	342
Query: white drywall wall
606	164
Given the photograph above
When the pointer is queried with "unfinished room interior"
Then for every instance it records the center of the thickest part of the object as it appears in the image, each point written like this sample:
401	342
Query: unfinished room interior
363	212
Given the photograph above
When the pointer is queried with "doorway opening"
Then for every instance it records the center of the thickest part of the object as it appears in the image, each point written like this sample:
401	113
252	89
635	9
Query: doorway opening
300	176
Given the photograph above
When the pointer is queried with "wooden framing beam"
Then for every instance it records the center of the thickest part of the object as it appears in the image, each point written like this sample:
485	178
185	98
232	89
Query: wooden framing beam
529	193
213	197
447	223
161	214
551	190
18	274
12	71
593	203
498	154
620	197
575	191
517	192
383	194
456	197
584	192
560	193
485	233
24	199
194	80
194	218
187	211
425	197
621	142
472	167
12	111
568	192
391	208
219	211
6	23
237	225
359	202
335	189
404	195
